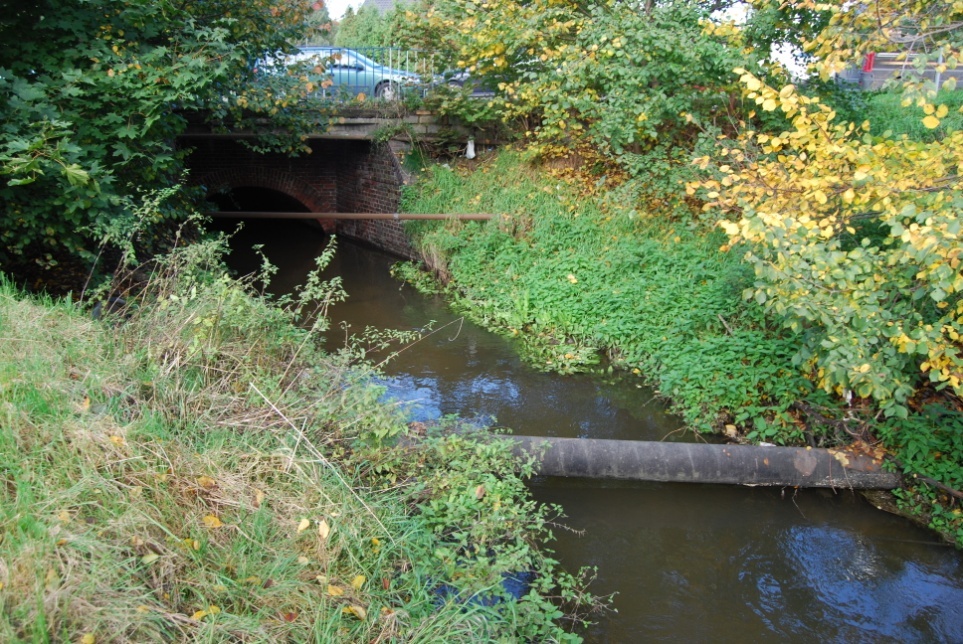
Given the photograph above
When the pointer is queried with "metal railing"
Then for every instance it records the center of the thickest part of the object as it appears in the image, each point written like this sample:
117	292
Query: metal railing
880	67
386	73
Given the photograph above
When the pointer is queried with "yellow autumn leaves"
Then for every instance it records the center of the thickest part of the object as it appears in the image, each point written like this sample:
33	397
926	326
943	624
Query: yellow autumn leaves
795	194
323	528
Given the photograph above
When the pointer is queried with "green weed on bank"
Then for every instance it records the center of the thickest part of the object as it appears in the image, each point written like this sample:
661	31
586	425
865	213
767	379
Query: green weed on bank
579	273
576	272
192	468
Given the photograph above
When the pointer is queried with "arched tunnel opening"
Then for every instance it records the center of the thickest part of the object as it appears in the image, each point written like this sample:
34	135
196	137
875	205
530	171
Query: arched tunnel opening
255	199
288	244
288	206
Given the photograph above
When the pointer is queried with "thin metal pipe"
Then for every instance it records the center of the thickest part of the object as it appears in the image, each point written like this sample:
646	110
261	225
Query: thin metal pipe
477	216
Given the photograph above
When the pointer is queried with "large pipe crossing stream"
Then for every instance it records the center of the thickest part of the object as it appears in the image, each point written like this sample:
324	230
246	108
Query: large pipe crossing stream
704	463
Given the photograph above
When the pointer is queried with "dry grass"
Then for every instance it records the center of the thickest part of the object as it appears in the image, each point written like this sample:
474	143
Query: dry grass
188	470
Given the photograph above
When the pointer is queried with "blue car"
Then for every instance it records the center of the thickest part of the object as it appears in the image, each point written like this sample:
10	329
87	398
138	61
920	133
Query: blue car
352	73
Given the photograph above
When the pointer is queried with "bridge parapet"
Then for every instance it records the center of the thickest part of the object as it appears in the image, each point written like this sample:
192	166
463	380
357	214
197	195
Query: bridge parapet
369	124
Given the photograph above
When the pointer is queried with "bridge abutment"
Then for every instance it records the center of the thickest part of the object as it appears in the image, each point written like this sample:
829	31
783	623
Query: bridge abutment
351	176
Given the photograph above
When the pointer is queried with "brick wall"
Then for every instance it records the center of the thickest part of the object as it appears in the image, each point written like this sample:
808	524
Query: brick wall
370	180
338	176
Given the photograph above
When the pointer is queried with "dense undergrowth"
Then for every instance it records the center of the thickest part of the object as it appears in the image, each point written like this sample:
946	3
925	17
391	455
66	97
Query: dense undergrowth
192	468
578	269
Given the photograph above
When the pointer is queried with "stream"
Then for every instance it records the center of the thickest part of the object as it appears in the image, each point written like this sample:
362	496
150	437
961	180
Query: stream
695	563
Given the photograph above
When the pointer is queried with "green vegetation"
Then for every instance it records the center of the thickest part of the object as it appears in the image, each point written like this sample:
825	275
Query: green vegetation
369	28
835	317
580	271
192	468
614	75
576	268
93	92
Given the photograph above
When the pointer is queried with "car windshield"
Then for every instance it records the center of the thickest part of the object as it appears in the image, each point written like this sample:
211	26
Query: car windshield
342	57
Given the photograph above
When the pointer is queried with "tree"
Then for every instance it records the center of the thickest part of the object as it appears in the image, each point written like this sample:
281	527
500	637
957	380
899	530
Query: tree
321	30
367	28
94	92
616	74
855	239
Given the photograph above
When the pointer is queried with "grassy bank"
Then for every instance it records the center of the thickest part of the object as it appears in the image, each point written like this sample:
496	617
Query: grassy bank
192	468
578	268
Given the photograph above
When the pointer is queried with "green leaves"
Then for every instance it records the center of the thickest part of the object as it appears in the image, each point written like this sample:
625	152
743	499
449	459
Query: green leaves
621	77
76	175
91	99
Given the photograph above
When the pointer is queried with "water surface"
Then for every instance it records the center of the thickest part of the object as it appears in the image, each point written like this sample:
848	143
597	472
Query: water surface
689	563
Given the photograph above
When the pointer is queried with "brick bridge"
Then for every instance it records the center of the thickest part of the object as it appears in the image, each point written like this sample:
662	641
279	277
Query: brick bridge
346	172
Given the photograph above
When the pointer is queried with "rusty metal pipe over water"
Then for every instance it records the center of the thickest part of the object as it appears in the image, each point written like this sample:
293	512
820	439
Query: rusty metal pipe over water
704	463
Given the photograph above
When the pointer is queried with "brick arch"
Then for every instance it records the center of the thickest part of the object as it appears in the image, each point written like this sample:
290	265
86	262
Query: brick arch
271	179
268	178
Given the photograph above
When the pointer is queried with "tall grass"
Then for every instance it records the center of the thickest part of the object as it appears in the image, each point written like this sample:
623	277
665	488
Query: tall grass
193	468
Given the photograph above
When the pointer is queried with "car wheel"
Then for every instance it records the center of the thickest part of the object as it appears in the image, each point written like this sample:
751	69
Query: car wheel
387	91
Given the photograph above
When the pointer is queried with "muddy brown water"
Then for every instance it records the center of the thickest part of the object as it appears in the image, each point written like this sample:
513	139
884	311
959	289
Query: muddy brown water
688	563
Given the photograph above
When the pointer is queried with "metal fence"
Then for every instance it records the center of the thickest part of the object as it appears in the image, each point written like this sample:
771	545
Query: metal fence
881	67
387	73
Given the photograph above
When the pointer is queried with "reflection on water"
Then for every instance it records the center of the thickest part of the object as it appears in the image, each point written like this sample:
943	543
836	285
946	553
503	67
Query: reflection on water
689	563
724	564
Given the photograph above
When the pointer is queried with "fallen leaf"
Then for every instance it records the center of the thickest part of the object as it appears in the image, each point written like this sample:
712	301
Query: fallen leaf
85	406
210	610
386	582
303	525
335	591
289	617
64	516
143	608
304	561
839	456
149	559
88	639
253	580
358	582
117	440
206	481
258	498
357	611
212	522
480	492
324	529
